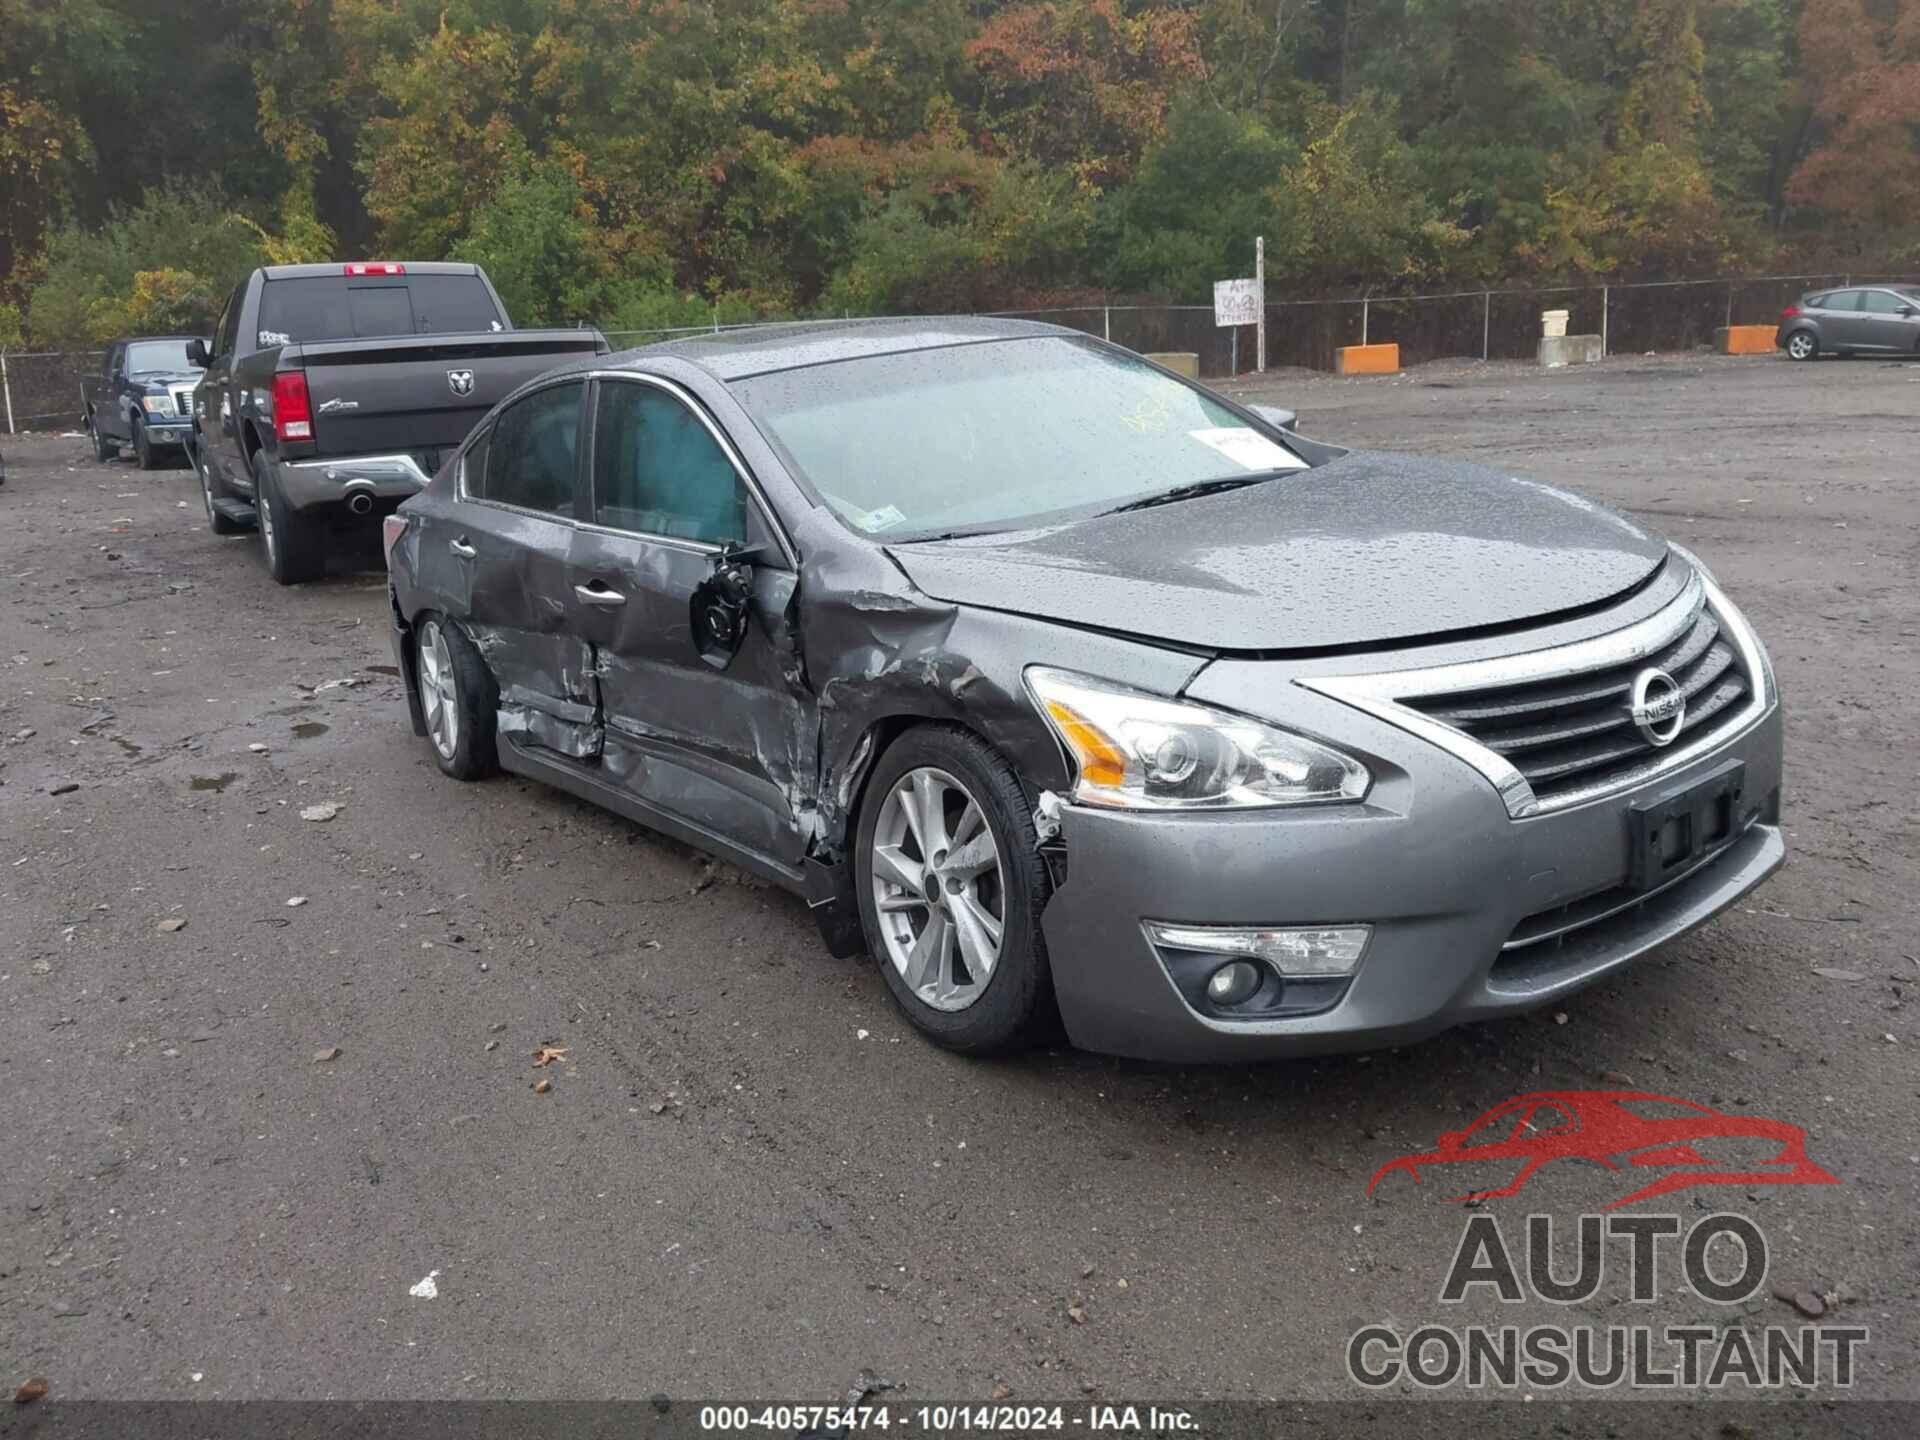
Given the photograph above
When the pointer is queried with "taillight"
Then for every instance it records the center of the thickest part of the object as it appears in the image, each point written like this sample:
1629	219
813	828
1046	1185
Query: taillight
292	410
374	267
1790	312
391	529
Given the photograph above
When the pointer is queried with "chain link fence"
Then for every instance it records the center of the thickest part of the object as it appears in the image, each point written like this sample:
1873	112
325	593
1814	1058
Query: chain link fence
42	391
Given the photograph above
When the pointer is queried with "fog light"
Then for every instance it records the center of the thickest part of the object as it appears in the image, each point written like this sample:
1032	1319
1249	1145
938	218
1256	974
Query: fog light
1319	950
1233	982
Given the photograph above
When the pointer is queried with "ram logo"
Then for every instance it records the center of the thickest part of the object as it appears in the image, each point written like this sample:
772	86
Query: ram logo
460	381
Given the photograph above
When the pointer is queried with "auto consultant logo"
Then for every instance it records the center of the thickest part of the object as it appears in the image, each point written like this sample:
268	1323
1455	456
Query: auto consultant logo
460	382
1721	1259
1664	1143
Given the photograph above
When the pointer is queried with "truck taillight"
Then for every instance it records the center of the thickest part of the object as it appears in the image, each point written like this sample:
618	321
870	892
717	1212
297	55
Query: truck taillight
391	529
374	267
292	410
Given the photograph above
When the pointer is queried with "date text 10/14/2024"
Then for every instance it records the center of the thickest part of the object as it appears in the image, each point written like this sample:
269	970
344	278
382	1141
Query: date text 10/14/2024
946	1419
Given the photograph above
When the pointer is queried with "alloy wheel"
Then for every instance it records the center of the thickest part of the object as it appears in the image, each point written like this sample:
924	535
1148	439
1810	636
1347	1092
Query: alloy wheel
938	888
1800	346
265	512
438	695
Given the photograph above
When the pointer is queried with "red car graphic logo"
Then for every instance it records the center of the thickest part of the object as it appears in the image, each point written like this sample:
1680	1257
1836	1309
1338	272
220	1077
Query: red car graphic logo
1622	1131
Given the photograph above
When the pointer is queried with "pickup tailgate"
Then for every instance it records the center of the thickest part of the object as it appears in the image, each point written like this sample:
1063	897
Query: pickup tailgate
421	394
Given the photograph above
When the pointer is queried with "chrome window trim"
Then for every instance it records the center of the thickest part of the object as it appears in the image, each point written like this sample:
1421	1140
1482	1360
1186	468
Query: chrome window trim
1381	695
677	542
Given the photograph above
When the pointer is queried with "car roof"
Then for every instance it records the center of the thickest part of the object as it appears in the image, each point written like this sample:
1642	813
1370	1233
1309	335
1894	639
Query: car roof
339	268
737	354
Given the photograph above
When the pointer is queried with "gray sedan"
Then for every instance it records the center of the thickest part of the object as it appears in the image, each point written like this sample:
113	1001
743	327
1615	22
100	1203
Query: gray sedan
1868	320
1060	685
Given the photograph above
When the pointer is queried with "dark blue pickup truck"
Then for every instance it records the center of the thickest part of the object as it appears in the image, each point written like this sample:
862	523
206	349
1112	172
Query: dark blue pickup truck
142	397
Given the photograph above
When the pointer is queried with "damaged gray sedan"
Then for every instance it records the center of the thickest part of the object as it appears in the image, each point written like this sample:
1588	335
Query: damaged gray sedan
1061	685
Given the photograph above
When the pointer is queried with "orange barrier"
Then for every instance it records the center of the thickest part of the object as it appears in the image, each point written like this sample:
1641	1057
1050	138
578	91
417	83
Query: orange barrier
1366	360
1744	340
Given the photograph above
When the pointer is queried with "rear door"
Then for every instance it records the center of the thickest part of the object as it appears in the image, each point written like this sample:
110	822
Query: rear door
499	559
718	742
1888	321
1840	327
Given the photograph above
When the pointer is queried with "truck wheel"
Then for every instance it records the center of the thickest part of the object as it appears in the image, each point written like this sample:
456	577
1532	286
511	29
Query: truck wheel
103	449
216	522
458	698
142	446
292	558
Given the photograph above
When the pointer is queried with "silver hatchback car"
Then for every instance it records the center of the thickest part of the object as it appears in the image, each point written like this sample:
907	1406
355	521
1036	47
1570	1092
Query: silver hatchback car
1051	680
1860	319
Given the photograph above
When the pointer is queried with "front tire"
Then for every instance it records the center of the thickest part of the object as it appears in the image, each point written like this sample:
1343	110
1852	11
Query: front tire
1803	345
103	449
458	699
216	522
951	886
143	455
288	547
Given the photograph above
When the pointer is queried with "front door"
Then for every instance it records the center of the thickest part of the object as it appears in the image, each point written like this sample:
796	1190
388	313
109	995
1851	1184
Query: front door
721	742
498	560
1888	321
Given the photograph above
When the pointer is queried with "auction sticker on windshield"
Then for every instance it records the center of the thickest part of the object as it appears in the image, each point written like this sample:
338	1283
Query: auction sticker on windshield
1248	448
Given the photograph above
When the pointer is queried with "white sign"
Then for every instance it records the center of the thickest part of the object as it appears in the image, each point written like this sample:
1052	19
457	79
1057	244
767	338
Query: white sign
1236	302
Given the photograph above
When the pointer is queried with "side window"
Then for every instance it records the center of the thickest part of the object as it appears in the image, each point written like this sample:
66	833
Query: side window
659	471
229	331
1880	302
1847	300
532	456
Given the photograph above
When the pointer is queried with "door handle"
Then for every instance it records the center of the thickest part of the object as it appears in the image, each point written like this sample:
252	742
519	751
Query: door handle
461	548
590	595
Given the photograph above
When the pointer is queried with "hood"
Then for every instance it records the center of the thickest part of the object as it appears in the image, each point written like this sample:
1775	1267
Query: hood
1369	549
167	379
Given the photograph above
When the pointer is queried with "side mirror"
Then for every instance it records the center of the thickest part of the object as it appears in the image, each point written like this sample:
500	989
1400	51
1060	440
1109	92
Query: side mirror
717	608
1907	311
1277	417
197	353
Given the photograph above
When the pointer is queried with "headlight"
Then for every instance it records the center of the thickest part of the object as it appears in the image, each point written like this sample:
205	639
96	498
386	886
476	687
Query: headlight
1135	751
157	404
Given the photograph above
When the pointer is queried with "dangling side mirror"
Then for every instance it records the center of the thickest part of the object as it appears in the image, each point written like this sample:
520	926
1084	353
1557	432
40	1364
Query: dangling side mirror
717	609
1274	415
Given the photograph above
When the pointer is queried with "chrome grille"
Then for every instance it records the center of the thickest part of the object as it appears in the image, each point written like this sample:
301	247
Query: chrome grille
1551	728
1569	734
183	403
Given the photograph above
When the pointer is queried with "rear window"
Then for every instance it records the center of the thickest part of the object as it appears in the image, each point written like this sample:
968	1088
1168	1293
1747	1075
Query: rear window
335	307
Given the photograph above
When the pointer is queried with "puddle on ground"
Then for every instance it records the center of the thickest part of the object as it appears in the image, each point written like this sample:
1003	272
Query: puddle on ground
309	730
214	782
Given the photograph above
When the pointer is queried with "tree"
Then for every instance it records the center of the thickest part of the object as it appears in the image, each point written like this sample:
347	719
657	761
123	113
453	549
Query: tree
1862	61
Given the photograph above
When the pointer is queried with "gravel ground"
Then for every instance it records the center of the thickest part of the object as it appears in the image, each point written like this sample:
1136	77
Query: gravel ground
264	1075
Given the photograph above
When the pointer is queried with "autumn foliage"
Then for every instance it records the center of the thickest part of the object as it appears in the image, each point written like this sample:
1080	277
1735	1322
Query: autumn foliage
651	162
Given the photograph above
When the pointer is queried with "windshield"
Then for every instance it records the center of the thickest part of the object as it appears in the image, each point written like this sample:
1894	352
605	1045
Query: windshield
334	307
147	356
987	436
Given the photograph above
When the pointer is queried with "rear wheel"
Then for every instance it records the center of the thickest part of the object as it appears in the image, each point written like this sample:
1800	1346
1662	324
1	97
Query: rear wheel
1801	345
289	549
951	885
458	698
103	449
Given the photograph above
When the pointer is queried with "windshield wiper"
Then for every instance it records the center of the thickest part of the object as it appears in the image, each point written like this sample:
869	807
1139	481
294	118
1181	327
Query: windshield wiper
1194	491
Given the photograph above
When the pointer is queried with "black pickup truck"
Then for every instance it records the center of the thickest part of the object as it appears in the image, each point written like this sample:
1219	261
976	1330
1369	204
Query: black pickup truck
332	391
141	397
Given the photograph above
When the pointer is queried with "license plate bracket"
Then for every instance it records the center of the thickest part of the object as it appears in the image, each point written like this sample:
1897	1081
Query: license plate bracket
1670	831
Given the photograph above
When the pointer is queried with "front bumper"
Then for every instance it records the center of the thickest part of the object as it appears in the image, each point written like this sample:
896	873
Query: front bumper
1432	860
356	486
161	431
